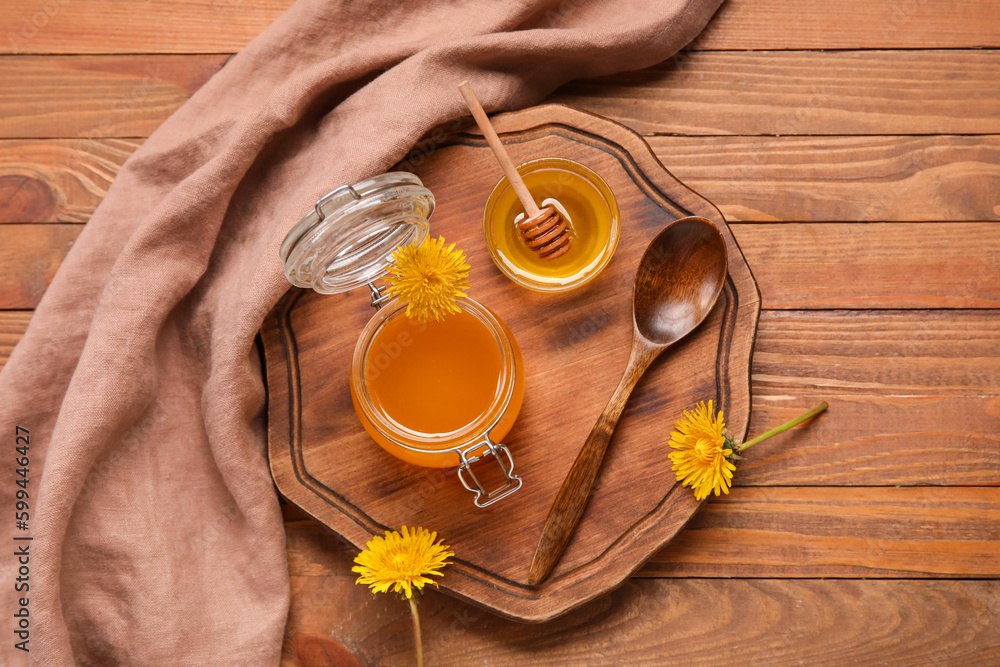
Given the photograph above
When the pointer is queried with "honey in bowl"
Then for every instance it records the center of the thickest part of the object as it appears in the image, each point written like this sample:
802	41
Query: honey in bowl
583	199
423	389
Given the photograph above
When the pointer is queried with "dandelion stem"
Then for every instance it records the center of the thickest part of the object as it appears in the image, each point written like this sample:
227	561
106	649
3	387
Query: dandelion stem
784	427
418	645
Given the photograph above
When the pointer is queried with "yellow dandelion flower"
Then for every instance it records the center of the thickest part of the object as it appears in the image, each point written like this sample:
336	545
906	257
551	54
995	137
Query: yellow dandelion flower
429	278
402	562
702	450
704	454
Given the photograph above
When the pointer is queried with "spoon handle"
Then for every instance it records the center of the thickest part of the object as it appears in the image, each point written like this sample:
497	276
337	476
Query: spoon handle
575	491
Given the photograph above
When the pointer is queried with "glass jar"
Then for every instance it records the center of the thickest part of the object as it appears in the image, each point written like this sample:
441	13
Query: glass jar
585	202
346	240
434	394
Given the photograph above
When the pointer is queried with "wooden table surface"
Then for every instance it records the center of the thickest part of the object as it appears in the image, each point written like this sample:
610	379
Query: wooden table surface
855	147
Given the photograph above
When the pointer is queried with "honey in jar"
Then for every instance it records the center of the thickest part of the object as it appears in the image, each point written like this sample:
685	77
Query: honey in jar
583	199
425	390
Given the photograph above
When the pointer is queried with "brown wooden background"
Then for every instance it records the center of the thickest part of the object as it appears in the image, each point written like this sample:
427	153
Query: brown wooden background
856	148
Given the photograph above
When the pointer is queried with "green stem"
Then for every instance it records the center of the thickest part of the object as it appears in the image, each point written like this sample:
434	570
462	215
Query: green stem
784	427
417	643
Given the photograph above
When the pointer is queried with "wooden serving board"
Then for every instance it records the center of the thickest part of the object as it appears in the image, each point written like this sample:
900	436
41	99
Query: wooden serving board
575	348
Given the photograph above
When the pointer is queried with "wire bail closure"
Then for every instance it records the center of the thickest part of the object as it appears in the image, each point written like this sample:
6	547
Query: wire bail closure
330	196
378	299
512	482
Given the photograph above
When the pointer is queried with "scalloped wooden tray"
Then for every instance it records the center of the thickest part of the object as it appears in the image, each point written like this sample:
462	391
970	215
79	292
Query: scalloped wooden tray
575	348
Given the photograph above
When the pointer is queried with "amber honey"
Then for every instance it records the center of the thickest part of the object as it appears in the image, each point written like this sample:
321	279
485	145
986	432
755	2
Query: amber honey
583	199
436	377
422	388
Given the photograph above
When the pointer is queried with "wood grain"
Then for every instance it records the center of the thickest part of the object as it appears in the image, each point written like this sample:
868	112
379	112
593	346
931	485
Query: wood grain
225	26
802	92
914	395
909	440
96	96
839	532
755	179
29	257
797	266
702	93
790	532
150	26
13	324
57	180
884	353
875	265
657	622
853	24
841	179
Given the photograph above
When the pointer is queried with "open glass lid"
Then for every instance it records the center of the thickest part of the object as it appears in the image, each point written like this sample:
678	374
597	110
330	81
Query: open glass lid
346	240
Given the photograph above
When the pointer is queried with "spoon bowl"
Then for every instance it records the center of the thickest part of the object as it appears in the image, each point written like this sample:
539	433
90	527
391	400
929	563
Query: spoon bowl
679	279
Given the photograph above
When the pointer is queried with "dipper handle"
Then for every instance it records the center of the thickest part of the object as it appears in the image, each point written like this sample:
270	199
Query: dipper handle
530	208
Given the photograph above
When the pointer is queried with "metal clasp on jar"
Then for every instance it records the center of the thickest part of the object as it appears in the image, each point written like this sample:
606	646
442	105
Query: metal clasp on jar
503	458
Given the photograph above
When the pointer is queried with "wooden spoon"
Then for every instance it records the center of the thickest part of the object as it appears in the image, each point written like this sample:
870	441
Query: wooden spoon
678	282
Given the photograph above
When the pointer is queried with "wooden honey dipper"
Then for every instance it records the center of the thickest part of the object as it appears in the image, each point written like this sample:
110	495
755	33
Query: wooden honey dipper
544	231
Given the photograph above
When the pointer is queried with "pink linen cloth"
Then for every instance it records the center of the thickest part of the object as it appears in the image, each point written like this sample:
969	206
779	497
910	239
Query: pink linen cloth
158	538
